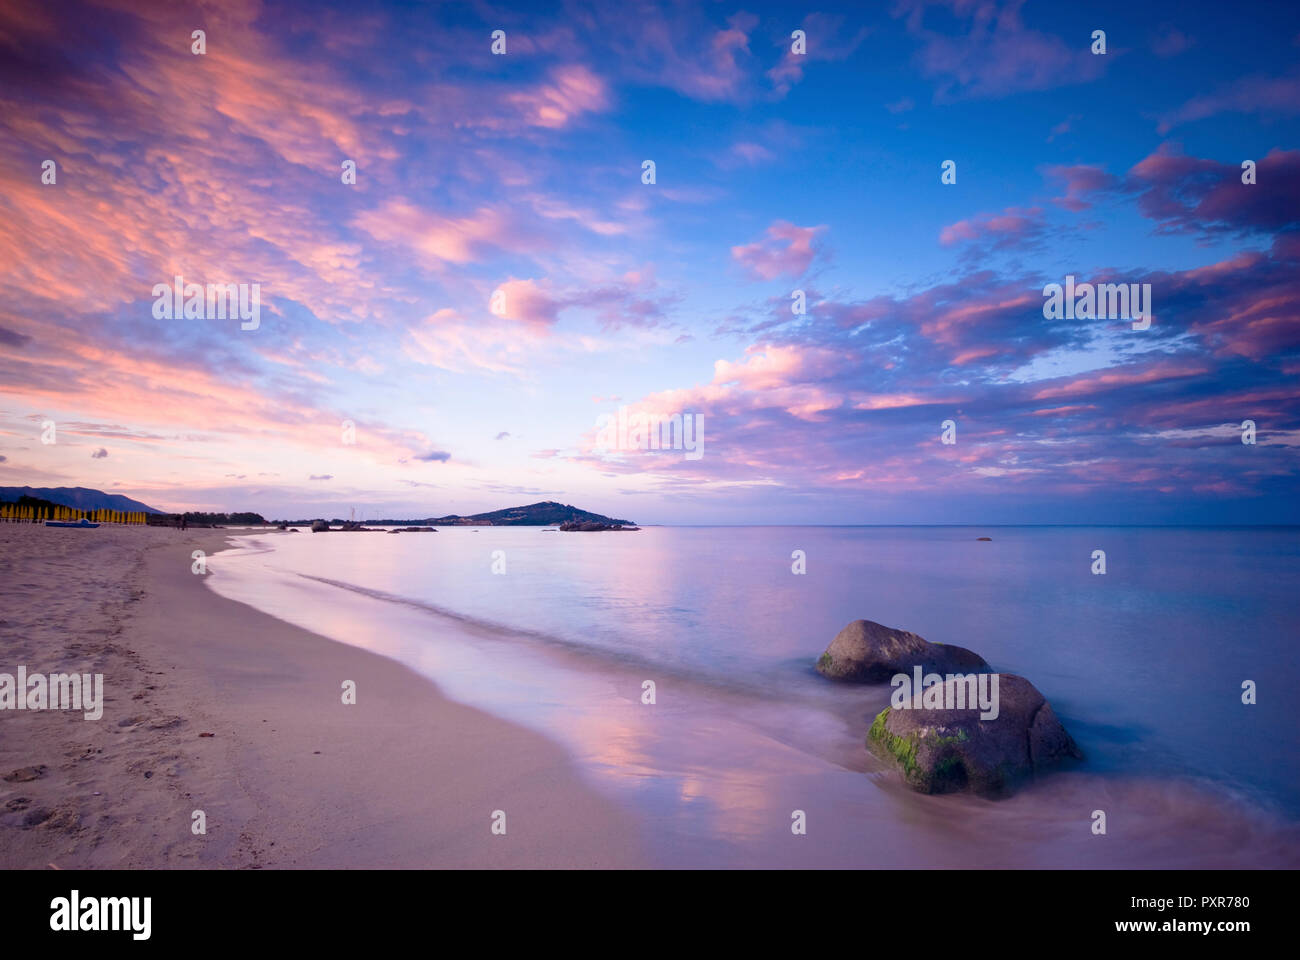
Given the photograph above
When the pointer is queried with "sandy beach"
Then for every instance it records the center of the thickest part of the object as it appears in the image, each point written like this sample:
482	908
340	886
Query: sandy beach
210	705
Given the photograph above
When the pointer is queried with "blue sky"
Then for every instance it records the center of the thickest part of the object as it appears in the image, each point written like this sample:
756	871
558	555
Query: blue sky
521	173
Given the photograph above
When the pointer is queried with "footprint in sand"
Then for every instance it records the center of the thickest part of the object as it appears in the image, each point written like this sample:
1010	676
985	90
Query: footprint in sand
24	774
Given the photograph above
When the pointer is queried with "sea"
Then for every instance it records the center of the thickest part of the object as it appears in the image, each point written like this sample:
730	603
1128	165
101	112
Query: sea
675	665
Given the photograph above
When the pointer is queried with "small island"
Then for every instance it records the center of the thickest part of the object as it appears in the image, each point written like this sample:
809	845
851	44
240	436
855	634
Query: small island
546	513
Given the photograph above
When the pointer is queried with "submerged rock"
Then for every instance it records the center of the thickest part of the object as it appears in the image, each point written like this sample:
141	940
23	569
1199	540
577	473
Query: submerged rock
948	750
869	652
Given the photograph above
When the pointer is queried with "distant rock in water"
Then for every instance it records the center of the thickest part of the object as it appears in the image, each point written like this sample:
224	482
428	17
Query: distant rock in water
593	526
868	652
944	751
990	539
319	526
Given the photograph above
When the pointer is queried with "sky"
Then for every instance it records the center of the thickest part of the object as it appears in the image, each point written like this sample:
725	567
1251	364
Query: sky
451	332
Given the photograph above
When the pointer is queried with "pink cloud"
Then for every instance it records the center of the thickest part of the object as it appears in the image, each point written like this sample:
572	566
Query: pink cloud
1012	226
1065	411
449	341
770	366
685	53
1197	194
994	53
786	250
437	239
950	326
1124	377
1261	327
530	303
572	91
1253	95
827	38
751	153
1081	181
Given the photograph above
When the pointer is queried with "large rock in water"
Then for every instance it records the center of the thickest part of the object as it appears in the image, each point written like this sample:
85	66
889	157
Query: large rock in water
868	652
319	526
942	751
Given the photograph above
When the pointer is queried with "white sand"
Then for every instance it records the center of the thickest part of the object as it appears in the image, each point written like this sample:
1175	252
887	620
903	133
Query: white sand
291	777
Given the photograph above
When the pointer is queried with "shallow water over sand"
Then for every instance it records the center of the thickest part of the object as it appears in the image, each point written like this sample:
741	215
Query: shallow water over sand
1143	665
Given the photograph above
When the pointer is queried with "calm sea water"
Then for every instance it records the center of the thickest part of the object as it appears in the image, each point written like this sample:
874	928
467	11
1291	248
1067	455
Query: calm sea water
1144	665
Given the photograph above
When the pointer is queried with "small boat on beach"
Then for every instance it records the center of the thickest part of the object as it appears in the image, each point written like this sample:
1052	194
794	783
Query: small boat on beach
83	522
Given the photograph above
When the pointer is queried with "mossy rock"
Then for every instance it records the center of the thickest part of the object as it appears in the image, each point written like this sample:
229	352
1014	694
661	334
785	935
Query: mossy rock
945	751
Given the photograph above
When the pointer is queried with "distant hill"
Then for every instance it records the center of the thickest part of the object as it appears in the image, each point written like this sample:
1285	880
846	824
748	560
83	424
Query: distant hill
83	498
544	514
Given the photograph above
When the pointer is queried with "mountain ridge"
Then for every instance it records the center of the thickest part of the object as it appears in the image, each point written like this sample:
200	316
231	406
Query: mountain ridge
82	498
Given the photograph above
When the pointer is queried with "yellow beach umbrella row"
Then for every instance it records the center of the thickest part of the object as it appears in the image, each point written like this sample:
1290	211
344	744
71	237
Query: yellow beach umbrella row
31	514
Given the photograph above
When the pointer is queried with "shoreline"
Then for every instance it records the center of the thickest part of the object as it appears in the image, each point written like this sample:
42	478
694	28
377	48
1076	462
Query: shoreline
290	776
409	778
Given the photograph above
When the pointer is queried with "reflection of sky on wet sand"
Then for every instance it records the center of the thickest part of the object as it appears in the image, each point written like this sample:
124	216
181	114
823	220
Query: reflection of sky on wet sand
713	775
